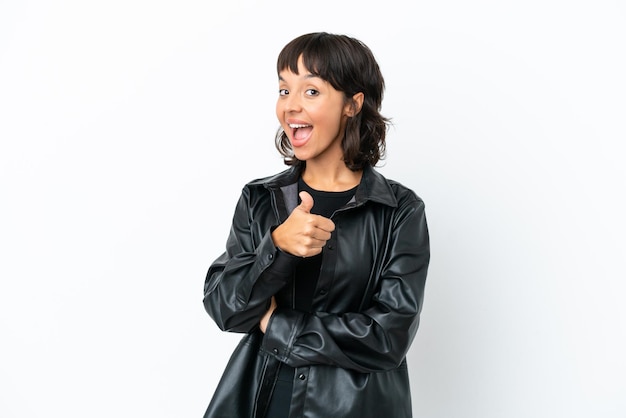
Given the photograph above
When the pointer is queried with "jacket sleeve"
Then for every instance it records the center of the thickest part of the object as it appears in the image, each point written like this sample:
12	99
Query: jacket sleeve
379	337
240	283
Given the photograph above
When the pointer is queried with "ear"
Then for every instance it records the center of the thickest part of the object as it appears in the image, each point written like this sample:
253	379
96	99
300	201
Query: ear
353	107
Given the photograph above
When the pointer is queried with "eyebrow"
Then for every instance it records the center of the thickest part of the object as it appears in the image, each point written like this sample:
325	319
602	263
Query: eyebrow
307	76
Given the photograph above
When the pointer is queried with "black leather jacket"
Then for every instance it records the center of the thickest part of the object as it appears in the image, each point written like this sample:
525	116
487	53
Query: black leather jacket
349	354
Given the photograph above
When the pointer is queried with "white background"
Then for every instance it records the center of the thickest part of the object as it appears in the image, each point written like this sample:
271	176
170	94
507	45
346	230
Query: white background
129	127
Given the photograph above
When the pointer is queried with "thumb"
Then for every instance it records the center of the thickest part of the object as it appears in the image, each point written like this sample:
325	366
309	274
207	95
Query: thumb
307	202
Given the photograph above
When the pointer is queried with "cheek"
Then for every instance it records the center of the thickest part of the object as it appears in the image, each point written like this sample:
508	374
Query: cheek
332	121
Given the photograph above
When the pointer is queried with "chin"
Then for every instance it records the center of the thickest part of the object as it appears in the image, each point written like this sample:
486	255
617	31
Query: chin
301	156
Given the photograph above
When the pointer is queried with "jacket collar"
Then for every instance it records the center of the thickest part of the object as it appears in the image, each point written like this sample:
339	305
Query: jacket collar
373	187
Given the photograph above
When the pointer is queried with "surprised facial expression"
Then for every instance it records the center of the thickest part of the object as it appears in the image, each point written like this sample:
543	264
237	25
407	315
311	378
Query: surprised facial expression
313	115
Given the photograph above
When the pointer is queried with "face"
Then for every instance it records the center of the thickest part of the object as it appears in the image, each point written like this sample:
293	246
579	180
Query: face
313	115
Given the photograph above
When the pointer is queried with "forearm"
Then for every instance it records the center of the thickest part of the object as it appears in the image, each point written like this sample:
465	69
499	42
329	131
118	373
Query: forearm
238	288
374	340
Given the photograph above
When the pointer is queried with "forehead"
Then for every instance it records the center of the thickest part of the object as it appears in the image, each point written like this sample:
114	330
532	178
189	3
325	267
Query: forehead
302	74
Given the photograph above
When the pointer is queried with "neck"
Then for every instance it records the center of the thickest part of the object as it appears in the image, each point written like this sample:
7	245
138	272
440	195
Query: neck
330	177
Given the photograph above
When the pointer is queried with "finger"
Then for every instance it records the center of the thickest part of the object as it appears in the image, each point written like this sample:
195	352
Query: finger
306	202
312	242
321	235
325	224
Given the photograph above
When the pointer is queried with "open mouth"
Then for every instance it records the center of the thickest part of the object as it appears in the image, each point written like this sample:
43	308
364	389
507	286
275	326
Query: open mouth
300	133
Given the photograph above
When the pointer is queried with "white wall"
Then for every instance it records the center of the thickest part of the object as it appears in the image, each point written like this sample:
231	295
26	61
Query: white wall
128	128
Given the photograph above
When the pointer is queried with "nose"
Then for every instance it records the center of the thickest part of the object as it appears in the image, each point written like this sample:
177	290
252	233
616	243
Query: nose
292	103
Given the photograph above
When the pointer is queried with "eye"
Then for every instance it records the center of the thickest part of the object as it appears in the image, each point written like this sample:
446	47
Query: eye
283	92
312	92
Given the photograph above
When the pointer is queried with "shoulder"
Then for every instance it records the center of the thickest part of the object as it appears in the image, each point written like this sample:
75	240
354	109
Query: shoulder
284	177
404	194
259	189
410	212
390	191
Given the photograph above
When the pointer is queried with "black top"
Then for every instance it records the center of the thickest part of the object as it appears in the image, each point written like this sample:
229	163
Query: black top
307	274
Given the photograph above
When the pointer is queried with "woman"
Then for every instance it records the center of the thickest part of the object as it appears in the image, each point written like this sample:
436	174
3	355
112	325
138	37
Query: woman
326	262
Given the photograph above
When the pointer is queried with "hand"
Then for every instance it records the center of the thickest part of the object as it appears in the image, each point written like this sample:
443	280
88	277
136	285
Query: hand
303	234
266	318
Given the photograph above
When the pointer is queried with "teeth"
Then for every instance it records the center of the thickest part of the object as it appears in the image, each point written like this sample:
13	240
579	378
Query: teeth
297	125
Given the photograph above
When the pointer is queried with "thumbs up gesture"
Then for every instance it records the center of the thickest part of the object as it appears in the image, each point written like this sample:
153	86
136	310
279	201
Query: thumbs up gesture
303	234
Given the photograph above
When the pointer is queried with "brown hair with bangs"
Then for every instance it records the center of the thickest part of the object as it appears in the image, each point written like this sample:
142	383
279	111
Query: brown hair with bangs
350	67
